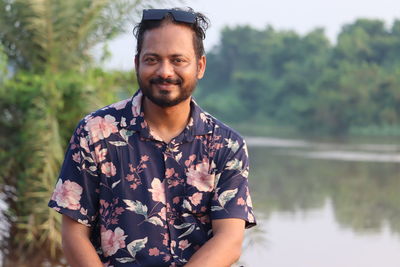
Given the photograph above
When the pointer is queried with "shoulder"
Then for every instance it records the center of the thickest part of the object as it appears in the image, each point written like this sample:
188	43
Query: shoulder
100	124
115	110
112	112
226	132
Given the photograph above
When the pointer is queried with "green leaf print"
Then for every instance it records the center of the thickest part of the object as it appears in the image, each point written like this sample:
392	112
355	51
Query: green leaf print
125	260
136	246
227	195
118	143
233	145
182	226
188	231
234	165
136	206
155	220
216	208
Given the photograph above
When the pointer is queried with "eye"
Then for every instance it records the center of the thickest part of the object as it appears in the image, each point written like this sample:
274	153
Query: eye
178	60
150	60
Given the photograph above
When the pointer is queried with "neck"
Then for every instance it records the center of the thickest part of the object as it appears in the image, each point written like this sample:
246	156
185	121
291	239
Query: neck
169	122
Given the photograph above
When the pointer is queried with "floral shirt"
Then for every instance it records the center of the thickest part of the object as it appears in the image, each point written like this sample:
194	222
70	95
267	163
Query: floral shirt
150	203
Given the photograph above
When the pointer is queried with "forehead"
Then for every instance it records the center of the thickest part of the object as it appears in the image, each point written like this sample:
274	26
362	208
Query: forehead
169	39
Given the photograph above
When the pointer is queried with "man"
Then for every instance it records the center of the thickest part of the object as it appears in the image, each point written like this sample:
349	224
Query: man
154	180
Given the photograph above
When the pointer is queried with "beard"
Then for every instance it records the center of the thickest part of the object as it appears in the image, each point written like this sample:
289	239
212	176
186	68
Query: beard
163	98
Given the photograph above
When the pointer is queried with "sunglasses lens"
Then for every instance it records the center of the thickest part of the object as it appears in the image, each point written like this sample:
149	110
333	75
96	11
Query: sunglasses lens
184	16
154	14
159	14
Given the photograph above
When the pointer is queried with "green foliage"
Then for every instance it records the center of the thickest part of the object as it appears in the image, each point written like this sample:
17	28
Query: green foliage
58	34
303	81
3	65
53	84
38	115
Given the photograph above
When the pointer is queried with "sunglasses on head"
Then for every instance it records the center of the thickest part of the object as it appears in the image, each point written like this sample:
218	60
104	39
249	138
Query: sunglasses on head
178	15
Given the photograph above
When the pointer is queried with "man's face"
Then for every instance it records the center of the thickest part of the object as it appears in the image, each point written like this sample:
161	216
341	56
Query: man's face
167	68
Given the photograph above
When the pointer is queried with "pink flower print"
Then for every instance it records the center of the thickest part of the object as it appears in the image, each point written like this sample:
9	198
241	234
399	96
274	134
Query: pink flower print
199	177
203	117
119	210
163	213
190	160
83	143
241	202
250	217
120	105
196	198
154	252
99	154
165	239
67	194
166	258
169	172
204	219
76	157
136	104
176	200
144	158
184	244
104	203
108	169
83	211
248	201
133	186
112	241
130	177
157	191
174	183
100	128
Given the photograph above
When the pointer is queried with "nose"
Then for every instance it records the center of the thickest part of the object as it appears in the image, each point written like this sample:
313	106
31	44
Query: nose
165	69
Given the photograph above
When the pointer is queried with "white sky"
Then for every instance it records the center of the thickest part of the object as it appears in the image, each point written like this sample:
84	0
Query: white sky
301	16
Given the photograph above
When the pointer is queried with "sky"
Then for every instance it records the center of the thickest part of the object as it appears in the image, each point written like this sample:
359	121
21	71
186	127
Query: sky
301	16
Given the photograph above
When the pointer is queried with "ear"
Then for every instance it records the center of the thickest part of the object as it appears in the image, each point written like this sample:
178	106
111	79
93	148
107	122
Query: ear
201	67
136	60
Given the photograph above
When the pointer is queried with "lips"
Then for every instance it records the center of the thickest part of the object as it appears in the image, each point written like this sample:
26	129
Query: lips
167	81
165	86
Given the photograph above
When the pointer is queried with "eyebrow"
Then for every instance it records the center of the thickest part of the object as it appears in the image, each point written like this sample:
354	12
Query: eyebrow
157	55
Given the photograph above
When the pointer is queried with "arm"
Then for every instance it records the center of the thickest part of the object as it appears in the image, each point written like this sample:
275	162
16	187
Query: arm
77	247
224	248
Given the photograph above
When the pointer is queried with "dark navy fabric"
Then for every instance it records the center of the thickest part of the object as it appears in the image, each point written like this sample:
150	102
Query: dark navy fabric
147	202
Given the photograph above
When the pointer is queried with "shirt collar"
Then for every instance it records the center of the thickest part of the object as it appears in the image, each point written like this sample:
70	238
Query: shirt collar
200	122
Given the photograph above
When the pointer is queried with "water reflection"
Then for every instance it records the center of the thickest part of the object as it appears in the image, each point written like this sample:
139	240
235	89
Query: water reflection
358	185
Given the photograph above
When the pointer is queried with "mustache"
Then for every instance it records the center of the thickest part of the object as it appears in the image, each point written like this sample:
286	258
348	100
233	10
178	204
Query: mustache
160	80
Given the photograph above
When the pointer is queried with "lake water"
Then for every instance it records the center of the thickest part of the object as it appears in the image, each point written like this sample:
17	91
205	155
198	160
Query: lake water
324	204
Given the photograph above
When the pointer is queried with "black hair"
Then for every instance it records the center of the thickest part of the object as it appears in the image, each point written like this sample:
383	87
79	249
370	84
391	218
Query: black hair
199	28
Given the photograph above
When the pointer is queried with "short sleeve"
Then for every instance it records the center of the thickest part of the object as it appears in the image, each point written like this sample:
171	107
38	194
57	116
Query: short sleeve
232	197
77	190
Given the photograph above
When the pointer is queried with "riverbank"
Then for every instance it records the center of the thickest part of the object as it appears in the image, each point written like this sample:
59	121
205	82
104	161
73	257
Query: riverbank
386	134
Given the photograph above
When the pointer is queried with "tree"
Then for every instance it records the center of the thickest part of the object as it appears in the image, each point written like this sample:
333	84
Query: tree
54	83
280	77
58	35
